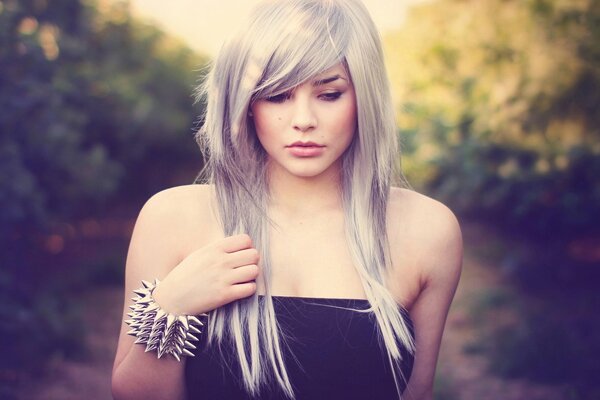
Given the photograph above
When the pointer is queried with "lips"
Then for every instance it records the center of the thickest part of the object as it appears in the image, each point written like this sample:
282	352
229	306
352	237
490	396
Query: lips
305	144
305	149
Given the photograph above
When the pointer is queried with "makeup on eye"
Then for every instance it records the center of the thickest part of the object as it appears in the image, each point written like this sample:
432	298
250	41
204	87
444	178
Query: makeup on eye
330	96
338	84
326	96
279	98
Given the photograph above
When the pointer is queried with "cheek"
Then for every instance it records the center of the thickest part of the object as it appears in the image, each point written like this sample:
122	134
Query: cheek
258	120
347	118
264	116
266	126
350	123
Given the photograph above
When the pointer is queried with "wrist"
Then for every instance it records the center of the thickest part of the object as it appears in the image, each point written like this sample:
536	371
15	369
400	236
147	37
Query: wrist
166	302
159	330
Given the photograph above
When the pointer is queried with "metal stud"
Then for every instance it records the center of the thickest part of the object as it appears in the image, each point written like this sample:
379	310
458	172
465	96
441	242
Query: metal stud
159	330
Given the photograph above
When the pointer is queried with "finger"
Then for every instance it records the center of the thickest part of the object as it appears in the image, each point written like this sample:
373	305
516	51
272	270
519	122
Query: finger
243	274
242	290
235	243
241	257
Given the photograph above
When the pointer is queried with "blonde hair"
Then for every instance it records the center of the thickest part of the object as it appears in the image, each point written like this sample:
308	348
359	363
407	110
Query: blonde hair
285	43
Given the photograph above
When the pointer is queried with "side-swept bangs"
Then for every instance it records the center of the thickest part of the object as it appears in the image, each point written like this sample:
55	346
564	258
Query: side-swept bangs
291	47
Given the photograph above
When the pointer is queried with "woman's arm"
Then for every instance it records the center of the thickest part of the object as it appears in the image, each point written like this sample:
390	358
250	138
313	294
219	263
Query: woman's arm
169	242
441	263
433	240
152	254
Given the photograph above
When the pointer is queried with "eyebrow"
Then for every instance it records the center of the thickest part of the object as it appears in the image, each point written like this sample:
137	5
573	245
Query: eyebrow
324	81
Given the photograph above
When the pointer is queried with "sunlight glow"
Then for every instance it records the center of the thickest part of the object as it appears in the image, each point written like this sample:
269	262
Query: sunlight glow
204	24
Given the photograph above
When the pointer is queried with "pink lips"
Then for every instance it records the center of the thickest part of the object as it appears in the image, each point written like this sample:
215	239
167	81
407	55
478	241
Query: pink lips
305	149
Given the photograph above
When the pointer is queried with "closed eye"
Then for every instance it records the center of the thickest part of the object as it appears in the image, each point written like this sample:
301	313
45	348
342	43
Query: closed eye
279	98
332	96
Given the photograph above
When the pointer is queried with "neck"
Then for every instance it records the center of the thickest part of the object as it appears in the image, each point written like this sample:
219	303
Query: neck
291	194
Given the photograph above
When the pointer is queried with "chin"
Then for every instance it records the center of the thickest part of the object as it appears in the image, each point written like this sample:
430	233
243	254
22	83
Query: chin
307	168
308	172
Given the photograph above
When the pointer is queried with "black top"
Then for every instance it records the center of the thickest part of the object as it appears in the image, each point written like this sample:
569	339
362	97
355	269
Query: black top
337	351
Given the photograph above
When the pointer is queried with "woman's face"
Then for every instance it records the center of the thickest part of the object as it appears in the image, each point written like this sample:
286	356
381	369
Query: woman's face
306	130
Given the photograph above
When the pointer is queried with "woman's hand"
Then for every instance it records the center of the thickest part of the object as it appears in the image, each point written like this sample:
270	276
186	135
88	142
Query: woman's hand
173	241
210	277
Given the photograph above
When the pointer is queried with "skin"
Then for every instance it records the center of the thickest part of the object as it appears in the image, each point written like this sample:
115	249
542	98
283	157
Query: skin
322	111
178	239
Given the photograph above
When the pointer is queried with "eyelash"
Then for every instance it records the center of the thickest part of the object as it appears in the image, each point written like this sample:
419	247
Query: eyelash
331	96
280	98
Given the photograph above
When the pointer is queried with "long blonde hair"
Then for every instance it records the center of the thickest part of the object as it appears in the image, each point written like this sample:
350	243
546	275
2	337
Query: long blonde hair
285	43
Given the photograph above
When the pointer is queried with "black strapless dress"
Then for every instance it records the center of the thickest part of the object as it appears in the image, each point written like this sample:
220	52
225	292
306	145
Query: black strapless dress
337	352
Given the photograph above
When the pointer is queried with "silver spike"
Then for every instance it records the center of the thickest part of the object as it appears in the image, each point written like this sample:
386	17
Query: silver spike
181	330
153	306
170	320
193	319
184	321
146	299
160	313
189	345
141	291
160	353
153	340
139	340
146	284
159	330
194	329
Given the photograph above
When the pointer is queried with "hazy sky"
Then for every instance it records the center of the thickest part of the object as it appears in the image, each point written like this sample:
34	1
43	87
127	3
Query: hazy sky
204	24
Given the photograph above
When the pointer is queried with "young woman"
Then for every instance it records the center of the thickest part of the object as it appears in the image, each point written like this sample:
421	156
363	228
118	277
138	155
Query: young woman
320	279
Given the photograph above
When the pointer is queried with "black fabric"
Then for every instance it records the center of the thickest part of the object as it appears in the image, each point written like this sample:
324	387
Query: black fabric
337	351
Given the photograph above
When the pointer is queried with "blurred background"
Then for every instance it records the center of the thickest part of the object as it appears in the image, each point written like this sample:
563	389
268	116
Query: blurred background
498	105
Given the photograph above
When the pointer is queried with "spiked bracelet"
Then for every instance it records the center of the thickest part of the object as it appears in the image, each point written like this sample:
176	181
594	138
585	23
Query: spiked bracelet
159	330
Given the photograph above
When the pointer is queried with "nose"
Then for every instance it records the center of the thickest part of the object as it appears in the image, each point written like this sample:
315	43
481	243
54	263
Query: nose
304	118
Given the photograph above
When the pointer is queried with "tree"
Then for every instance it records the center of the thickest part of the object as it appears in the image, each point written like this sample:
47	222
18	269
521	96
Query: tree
501	99
90	100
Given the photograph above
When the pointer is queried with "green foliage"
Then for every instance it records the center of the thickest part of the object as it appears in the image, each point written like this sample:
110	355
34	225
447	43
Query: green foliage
91	103
88	99
500	118
501	105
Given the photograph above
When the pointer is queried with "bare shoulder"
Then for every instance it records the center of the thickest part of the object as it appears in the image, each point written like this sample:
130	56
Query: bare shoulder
428	230
183	216
179	200
426	237
171	224
421	213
